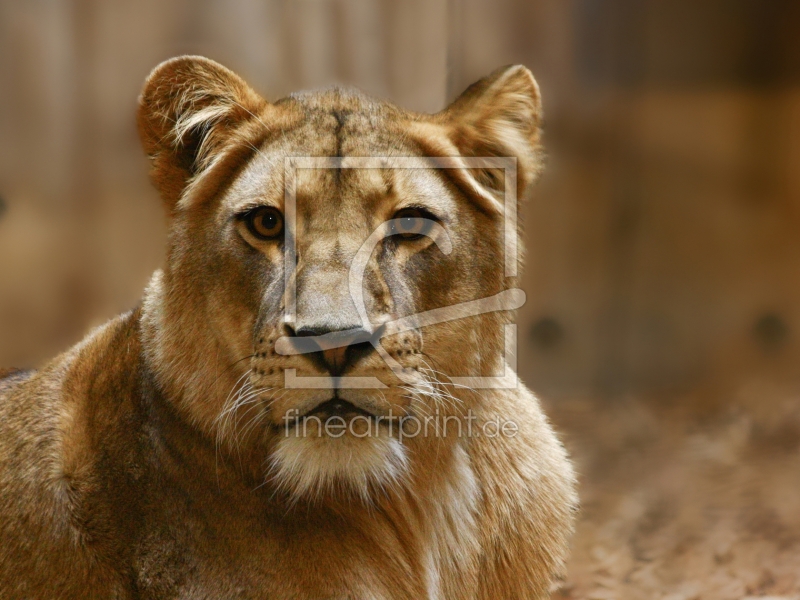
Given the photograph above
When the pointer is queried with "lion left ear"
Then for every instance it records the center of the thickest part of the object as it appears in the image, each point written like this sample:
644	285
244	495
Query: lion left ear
497	116
189	110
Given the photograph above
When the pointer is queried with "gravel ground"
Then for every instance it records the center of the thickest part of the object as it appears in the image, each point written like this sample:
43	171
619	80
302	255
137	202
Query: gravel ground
691	497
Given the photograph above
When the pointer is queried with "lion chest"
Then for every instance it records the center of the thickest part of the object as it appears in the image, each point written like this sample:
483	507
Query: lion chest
277	557
225	547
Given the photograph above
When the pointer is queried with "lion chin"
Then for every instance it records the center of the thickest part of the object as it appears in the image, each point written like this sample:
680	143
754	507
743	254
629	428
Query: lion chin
315	466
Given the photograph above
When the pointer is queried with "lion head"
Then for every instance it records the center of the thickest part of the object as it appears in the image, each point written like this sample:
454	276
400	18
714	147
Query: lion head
314	243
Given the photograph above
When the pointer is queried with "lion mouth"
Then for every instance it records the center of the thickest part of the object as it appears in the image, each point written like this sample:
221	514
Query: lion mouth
337	407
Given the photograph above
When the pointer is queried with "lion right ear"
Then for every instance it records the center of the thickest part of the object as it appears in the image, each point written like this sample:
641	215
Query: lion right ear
189	110
497	117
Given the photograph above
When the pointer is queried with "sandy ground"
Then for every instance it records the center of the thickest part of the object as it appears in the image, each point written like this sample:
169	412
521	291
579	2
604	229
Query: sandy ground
692	497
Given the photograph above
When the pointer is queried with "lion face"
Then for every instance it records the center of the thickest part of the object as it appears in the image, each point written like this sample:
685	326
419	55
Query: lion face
300	312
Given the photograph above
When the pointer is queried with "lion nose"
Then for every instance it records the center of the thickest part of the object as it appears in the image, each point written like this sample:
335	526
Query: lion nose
336	349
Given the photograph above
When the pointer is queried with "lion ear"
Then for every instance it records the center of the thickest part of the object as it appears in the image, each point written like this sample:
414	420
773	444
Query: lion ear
188	110
497	116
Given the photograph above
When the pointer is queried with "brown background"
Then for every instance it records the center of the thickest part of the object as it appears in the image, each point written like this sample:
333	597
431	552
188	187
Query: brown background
663	244
662	326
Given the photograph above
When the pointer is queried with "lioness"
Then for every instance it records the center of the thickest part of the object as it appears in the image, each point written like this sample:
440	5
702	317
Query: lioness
247	431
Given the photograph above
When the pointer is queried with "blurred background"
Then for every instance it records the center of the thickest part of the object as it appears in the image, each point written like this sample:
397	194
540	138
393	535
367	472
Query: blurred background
662	327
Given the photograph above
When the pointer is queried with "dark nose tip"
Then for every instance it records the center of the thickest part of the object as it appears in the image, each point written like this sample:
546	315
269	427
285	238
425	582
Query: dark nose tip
335	350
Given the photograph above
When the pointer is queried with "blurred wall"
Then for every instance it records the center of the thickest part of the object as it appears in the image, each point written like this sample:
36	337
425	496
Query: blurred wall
662	241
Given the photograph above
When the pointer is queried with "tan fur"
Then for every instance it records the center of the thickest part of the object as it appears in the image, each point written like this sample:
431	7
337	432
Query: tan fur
152	460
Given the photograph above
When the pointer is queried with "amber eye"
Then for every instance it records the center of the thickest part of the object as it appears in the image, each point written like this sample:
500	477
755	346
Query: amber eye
411	223
265	222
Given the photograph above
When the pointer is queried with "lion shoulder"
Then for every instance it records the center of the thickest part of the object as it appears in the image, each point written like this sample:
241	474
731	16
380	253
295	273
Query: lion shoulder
528	496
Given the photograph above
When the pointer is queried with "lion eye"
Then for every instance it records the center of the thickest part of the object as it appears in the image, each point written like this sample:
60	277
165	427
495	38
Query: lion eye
411	223
265	223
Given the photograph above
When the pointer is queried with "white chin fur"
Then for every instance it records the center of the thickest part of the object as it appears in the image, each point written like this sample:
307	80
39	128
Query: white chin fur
312	466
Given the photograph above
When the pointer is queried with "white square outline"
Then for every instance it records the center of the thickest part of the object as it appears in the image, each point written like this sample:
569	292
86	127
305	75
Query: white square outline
509	379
